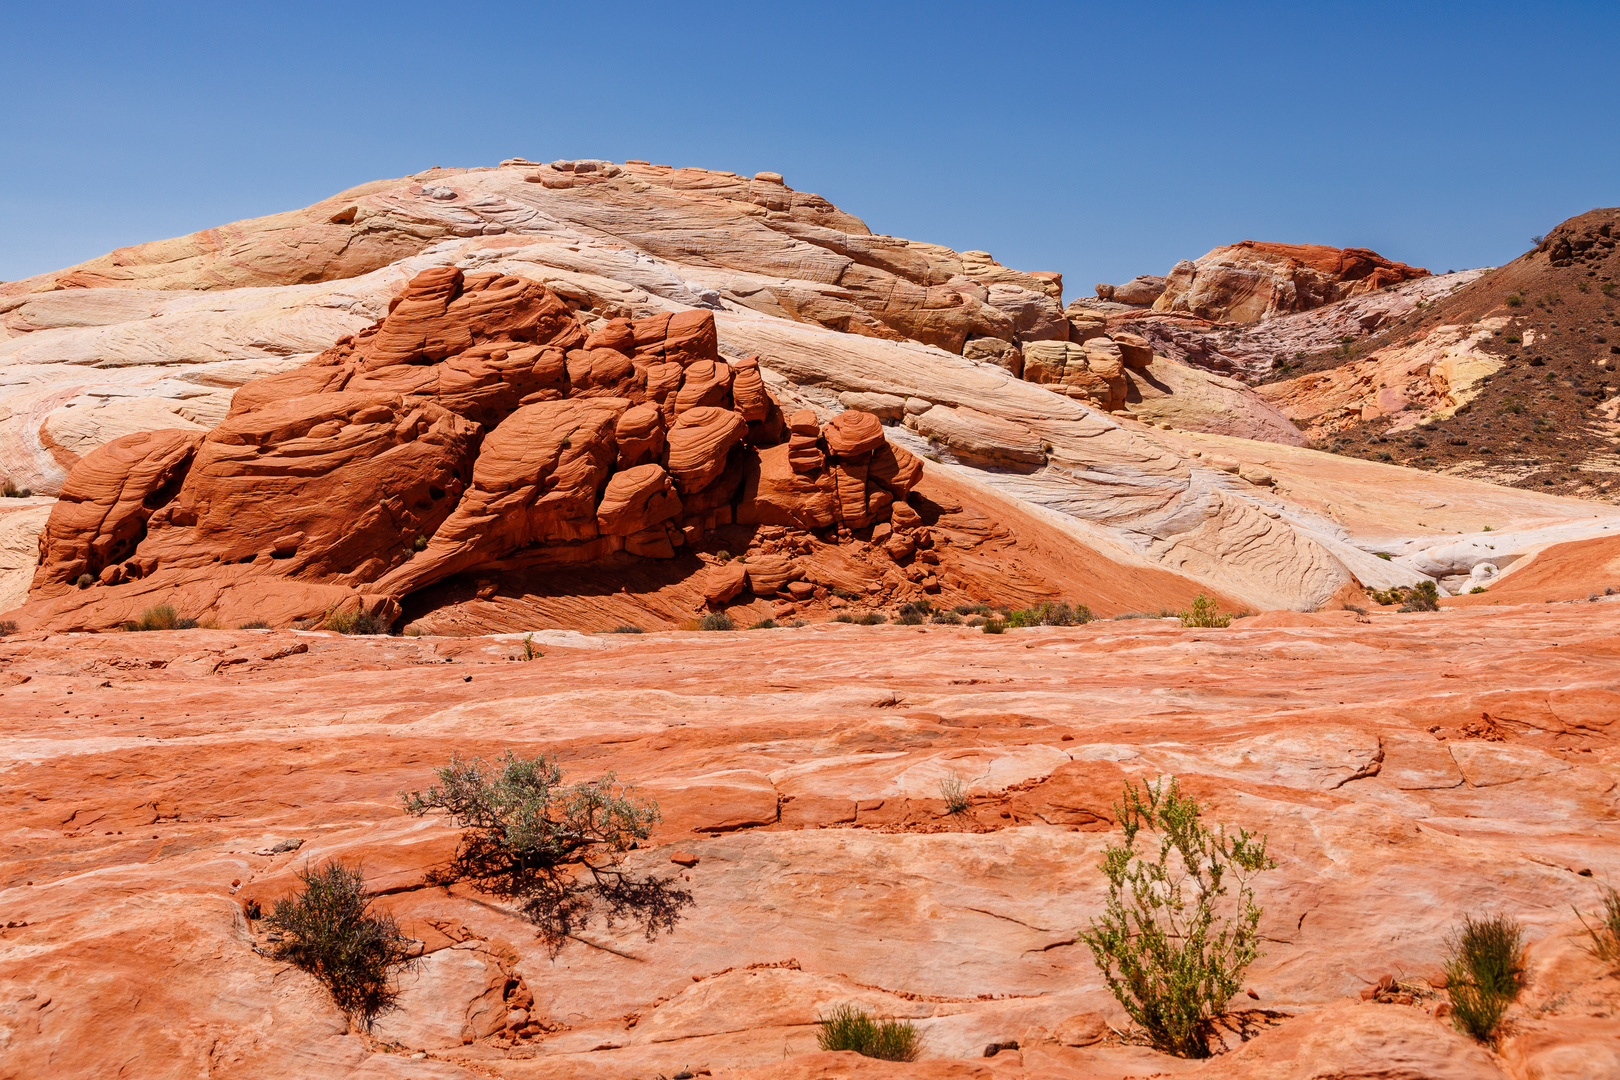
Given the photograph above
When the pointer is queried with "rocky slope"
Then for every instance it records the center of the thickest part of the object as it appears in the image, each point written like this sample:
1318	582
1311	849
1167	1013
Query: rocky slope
1510	379
159	782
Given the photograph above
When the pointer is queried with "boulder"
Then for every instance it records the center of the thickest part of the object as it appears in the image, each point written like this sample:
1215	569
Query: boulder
636	499
853	433
698	444
723	582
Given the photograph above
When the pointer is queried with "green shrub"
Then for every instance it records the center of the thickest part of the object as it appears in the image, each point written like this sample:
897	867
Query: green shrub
1478	589
871	618
627	630
849	1028
844	617
764	624
1171	947
557	850
719	620
954	792
419	544
1515	300
529	651
161	617
1205	614
1606	934
994	626
1424	596
1133	615
330	929
1484	973
972	609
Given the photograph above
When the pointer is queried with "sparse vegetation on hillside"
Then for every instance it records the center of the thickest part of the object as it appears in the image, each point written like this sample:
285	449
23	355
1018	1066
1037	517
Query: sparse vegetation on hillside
12	491
1484	973
330	929
718	620
558	850
954	792
1172	946
850	1028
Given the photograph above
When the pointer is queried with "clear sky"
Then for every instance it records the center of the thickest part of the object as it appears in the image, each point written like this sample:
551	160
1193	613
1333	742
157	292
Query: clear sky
1100	139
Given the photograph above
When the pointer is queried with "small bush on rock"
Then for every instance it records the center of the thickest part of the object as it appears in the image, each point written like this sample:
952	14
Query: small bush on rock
843	617
627	630
914	613
954	792
1171	946
947	618
764	624
994	626
12	491
719	620
7	628
1484	973
850	1028
1205	614
972	609
557	849
343	620
331	931
1605	935
1423	596
161	617
871	618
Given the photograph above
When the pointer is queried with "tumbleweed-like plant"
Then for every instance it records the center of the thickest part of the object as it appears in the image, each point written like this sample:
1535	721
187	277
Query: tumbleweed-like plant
330	929
1171	944
555	849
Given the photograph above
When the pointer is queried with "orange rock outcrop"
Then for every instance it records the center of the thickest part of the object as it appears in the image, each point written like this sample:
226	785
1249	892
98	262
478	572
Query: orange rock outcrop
1251	281
476	424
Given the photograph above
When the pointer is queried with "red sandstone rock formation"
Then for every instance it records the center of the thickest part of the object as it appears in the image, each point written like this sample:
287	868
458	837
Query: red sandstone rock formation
477	422
1247	282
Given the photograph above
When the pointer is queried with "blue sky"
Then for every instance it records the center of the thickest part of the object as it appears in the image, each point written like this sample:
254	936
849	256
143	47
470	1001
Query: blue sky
1103	140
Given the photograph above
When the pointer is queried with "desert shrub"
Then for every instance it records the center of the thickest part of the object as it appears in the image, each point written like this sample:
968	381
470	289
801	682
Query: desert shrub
350	621
330	929
954	792
994	626
1423	596
1515	300
972	609
161	617
871	618
844	617
12	491
1050	614
419	544
627	630
914	613
1133	615
1204	613
1170	944
719	620
84	581
7	628
1478	589
1483	973
764	624
947	618
529	651
850	1028
256	624
555	849
1606	934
